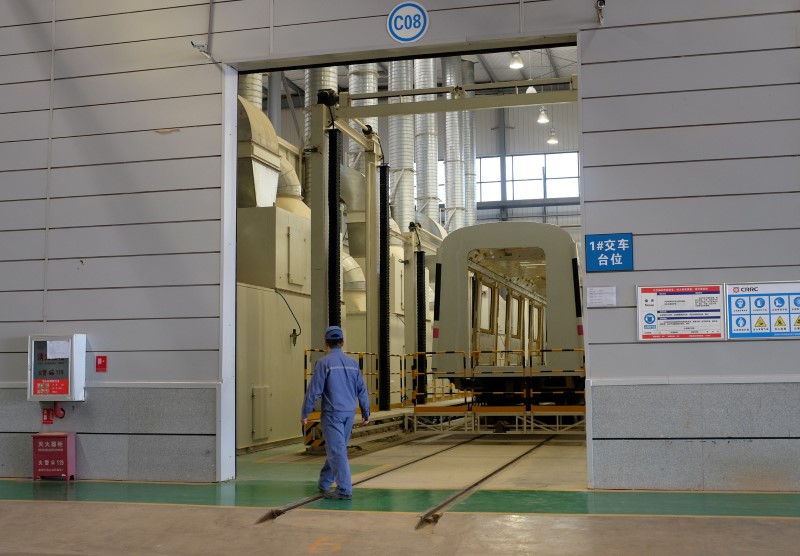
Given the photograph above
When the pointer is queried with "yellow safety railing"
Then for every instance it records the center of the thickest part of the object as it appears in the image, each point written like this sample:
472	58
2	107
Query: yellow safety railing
440	387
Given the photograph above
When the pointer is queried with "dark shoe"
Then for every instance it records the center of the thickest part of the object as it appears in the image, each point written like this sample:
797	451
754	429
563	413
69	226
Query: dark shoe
333	495
323	491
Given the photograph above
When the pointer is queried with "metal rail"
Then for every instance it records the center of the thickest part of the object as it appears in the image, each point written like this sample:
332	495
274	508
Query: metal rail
274	513
434	514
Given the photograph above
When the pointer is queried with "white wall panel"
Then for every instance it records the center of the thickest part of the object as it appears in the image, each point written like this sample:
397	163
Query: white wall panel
121	241
541	18
135	116
626	282
14	335
24	97
158	175
769	67
22	215
25	67
25	184
148	335
131	272
692	143
16	246
686	179
636	12
72	9
25	39
136	146
751	104
25	155
143	85
21	275
24	126
689	38
14	367
160	366
228	47
140	208
714	250
369	33
134	303
21	306
691	359
30	11
700	214
524	135
124	58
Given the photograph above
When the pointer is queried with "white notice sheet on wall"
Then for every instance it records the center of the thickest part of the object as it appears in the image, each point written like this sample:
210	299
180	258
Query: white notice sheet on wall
601	296
680	312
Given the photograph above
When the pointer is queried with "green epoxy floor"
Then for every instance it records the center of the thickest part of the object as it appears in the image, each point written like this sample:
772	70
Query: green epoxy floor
279	477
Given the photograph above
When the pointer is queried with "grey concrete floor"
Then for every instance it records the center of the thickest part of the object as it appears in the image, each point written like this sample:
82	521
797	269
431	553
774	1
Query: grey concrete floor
89	528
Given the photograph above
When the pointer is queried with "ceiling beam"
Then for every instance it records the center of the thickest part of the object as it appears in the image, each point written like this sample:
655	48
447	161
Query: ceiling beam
487	67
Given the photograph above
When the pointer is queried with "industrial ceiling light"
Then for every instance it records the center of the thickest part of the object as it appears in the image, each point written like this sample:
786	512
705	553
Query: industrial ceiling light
543	119
531	90
552	140
516	61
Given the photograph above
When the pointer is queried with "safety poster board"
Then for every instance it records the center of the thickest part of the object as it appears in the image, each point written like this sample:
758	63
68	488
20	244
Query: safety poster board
680	312
763	310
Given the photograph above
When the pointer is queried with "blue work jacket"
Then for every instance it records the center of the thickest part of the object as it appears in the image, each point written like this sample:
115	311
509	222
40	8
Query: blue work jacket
338	380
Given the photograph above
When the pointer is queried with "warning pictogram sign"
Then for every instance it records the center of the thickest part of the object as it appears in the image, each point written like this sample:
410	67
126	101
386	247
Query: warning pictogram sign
760	323
779	322
763	310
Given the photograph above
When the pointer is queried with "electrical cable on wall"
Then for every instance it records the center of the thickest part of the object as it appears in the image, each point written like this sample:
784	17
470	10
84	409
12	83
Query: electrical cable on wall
295	334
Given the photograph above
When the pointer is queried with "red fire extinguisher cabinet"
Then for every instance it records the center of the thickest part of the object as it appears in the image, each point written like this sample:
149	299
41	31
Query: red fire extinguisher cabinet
54	455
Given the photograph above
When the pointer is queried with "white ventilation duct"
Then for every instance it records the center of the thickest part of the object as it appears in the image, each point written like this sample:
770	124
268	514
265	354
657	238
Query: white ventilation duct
454	158
362	78
468	134
400	148
316	80
251	88
426	143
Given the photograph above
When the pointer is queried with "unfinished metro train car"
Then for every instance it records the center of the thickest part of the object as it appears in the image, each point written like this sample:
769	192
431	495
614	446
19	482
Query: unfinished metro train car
508	294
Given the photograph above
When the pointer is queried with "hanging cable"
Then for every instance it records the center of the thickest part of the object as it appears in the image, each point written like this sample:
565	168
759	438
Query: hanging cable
295	334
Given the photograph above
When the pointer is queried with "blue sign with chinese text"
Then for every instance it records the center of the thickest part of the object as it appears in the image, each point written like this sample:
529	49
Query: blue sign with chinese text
609	252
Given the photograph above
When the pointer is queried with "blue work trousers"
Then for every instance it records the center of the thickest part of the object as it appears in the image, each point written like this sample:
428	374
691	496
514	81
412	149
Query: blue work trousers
336	428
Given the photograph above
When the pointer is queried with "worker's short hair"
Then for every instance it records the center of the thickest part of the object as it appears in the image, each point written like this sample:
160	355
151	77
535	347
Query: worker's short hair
334	343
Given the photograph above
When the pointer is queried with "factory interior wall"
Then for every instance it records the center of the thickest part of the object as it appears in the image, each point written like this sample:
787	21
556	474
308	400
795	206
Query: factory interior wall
113	214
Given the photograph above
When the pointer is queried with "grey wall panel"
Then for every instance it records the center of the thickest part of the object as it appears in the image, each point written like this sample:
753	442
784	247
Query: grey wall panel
147	461
754	465
138	208
15	455
777	102
151	335
768	67
21	306
14	335
147	239
14	368
17	246
143	85
701	214
157	175
18	414
693	38
24	184
713	250
22	215
106	272
30	11
127	57
145	303
71	9
23	68
688	360
648	464
22	97
24	39
21	275
229	47
626	282
135	116
751	410
101	457
562	16
136	146
370	33
154	367
692	143
687	179
25	155
636	12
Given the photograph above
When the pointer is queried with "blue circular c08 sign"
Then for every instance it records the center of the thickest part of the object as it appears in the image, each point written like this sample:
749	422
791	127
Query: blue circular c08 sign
407	22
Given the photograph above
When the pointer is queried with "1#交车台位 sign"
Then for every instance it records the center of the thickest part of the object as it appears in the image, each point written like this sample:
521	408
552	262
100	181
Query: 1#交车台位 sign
609	252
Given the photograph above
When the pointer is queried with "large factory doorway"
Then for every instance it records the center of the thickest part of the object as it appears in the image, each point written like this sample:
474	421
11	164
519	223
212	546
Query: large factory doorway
507	151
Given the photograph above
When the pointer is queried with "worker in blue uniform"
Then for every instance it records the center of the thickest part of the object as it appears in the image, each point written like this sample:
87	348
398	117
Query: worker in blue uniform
338	380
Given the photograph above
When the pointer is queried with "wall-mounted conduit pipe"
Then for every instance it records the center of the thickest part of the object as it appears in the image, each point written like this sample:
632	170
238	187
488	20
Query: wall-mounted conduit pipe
384	371
334	225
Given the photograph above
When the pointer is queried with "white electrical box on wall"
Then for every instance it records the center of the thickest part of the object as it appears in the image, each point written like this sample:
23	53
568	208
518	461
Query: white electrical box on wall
57	368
